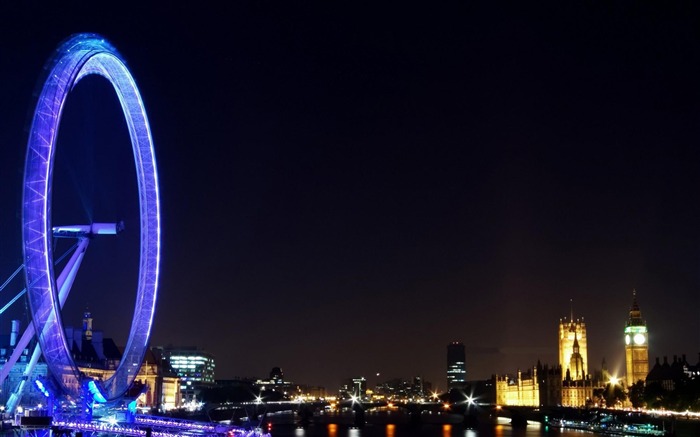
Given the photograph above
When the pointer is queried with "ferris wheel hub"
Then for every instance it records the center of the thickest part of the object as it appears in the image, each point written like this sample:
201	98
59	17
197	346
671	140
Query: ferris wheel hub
88	231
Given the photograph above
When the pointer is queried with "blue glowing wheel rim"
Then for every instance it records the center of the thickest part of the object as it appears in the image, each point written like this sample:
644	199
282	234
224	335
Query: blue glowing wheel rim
80	56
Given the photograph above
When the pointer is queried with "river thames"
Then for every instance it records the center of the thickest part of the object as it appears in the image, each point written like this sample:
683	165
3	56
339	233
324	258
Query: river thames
500	429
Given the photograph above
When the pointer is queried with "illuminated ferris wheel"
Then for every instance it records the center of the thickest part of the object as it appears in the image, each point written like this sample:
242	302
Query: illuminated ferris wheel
80	56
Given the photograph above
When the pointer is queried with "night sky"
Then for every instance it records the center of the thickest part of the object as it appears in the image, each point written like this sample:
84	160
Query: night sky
348	187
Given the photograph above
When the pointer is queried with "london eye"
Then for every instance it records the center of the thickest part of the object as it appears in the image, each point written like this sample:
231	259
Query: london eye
80	56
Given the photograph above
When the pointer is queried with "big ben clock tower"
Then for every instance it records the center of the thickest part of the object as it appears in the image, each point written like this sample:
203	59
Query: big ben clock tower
636	345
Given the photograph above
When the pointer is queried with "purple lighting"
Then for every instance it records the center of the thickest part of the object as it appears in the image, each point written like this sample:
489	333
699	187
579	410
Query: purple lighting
161	427
79	56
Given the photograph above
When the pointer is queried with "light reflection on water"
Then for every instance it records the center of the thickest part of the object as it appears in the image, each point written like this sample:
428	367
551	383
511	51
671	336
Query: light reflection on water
332	430
444	430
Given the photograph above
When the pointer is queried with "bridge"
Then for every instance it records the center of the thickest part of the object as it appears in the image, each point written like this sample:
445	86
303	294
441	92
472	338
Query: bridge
469	414
357	413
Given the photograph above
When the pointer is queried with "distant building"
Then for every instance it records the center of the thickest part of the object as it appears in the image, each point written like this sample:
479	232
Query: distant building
670	376
359	387
31	396
98	357
313	392
194	367
276	375
353	387
482	391
636	345
398	389
276	383
419	387
90	349
456	367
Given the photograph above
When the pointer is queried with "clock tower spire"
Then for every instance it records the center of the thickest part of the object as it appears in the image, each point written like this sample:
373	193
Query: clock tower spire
636	344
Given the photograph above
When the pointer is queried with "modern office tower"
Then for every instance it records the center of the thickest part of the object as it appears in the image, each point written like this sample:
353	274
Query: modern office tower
572	336
193	366
456	369
359	388
636	345
418	390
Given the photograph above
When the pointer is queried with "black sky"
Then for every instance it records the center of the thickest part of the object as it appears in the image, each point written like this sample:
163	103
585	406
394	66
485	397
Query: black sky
348	187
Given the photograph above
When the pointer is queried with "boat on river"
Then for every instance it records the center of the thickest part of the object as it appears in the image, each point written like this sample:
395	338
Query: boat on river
609	425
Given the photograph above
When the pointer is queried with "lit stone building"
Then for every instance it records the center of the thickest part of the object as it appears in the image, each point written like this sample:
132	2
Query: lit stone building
577	386
162	392
569	384
98	357
576	392
572	333
636	345
522	391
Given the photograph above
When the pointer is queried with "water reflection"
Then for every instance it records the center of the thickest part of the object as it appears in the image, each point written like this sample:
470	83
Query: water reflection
498	431
332	430
446	430
501	429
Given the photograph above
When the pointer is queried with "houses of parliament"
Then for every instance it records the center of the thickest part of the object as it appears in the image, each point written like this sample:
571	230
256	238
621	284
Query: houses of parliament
569	383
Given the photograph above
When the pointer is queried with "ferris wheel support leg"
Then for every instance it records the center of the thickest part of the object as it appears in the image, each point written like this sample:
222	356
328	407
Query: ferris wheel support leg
64	283
67	277
16	396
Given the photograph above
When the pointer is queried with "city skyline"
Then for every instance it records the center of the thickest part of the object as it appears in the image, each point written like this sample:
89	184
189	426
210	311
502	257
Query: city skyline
343	185
456	358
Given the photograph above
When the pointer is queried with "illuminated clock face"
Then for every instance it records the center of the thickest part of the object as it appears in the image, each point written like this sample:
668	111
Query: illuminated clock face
627	339
639	339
